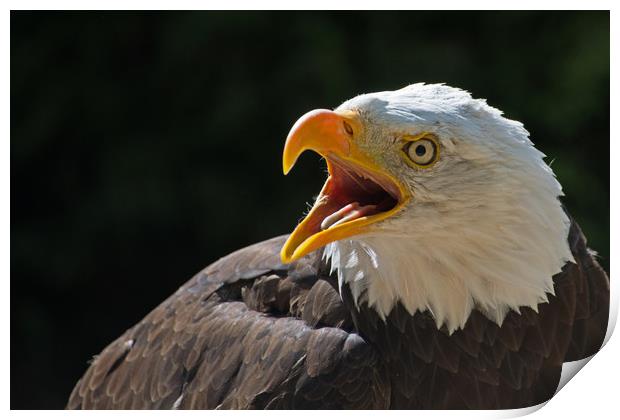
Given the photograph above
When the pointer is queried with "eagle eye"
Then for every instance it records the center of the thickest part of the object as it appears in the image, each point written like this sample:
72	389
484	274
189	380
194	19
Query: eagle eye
421	153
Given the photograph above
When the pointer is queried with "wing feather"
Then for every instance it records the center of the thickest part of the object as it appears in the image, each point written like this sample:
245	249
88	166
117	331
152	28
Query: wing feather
246	332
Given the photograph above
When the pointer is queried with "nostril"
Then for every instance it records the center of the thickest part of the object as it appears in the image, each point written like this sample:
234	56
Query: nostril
348	128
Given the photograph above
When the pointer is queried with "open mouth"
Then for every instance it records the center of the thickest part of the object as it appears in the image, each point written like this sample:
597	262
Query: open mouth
352	198
352	192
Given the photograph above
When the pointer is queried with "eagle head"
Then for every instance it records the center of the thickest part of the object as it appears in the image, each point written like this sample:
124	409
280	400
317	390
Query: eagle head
434	200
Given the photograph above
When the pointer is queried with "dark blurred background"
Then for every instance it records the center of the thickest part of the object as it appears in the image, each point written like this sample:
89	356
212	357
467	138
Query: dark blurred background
146	145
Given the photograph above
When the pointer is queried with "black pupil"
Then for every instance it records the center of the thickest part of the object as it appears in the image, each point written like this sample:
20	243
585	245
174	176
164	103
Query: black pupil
420	150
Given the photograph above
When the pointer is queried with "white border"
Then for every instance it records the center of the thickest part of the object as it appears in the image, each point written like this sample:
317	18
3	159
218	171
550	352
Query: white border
310	5
592	395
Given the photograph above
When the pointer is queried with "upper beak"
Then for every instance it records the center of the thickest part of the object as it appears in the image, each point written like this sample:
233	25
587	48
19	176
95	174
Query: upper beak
321	130
332	134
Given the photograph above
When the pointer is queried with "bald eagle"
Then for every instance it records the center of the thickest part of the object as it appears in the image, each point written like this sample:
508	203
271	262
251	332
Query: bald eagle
437	269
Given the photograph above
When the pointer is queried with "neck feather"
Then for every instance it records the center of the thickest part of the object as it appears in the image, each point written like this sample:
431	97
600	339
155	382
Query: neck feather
501	261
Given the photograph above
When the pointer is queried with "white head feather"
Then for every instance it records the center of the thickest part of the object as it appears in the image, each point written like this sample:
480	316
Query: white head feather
484	228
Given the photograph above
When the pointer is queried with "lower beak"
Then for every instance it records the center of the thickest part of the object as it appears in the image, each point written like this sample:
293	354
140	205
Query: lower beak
357	194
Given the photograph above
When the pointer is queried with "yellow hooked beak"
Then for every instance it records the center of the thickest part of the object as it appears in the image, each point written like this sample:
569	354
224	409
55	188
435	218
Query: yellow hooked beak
357	193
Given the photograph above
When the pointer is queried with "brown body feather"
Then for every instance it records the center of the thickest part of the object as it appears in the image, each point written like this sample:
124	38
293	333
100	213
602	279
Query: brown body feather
250	332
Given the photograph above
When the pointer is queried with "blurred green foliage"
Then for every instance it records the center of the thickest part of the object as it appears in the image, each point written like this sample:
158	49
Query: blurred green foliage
146	145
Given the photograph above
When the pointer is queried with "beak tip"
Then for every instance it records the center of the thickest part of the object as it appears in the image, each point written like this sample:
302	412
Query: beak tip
286	167
286	259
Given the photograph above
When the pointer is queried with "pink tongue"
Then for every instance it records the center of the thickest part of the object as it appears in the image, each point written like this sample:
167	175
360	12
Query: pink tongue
349	212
